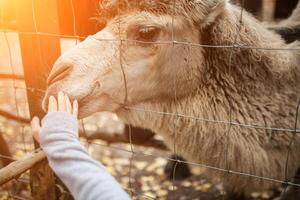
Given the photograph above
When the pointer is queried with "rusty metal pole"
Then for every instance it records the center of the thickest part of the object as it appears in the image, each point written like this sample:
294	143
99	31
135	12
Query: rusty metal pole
38	55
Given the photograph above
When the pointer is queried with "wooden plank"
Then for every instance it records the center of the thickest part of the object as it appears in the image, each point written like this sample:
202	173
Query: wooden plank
11	76
38	55
14	117
17	168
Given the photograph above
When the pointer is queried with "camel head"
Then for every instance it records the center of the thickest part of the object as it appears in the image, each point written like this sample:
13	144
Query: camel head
133	59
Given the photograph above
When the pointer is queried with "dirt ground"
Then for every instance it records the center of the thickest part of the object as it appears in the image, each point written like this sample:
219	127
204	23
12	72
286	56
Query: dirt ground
141	173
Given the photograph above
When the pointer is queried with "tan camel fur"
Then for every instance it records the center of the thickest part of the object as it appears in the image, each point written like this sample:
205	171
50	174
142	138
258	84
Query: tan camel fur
248	85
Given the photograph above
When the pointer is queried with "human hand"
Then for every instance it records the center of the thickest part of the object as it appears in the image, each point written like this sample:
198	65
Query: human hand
61	104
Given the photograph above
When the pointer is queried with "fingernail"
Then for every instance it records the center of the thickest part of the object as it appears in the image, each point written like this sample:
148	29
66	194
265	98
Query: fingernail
66	95
34	119
52	98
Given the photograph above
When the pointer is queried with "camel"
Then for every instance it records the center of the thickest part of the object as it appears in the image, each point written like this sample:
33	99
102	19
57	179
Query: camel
193	72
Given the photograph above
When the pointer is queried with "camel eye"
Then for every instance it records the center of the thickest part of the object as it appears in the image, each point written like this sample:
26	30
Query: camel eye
148	33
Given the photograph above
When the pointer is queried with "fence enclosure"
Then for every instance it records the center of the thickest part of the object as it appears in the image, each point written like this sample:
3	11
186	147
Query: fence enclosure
40	25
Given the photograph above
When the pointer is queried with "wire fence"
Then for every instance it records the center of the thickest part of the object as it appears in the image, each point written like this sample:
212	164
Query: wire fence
19	94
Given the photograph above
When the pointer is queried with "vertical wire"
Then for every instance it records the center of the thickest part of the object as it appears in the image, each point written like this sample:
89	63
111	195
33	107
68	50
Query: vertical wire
74	23
227	135
84	133
4	32
125	100
121	61
75	33
290	145
1	18
230	107
34	17
38	38
13	72
131	159
176	118
15	88
227	143
37	35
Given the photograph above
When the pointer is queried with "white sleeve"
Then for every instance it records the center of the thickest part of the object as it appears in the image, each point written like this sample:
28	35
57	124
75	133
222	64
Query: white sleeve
86	178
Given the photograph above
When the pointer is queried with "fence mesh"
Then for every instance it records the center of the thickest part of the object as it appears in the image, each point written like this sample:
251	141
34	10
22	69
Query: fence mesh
13	99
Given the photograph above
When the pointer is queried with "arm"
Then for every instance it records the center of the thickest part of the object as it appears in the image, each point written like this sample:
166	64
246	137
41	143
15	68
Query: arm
86	178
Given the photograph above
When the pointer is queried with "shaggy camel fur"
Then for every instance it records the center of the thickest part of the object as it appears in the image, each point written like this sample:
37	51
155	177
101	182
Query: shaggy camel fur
250	86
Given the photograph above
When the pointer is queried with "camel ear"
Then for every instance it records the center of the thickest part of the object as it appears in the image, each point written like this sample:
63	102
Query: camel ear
215	12
209	11
111	7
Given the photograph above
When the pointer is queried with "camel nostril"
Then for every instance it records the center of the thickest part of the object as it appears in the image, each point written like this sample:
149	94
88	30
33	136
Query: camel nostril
58	74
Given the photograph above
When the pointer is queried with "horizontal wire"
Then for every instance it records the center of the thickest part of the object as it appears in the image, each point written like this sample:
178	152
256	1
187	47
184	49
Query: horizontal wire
196	164
213	121
23	180
200	165
7	157
140	194
157	42
17	197
175	114
249	126
24	88
123	187
42	34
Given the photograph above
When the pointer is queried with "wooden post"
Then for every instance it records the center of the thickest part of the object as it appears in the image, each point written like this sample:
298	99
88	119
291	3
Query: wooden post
38	55
78	16
17	168
84	12
268	10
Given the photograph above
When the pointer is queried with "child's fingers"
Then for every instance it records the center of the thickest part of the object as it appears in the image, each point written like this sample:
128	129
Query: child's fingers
61	102
75	108
68	105
36	127
35	124
52	105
